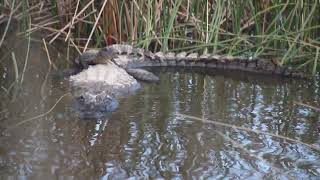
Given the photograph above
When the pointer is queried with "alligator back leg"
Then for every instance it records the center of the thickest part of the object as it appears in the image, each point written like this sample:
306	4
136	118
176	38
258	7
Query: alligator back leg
142	74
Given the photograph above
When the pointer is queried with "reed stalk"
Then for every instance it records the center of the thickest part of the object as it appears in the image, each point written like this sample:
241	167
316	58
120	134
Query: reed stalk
286	30
8	23
15	66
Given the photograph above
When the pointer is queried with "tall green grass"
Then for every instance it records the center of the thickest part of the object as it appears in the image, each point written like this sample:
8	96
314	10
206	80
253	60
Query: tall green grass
284	30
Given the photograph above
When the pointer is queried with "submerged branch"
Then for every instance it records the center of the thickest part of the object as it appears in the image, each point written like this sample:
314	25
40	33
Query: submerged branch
249	130
40	115
307	105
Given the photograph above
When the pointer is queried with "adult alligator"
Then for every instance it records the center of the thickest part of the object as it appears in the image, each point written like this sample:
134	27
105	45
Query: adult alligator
115	69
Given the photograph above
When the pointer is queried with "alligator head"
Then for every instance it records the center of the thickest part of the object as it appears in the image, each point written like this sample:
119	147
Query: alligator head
94	104
97	88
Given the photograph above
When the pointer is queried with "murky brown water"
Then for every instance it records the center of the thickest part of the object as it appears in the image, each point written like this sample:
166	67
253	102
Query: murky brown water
146	137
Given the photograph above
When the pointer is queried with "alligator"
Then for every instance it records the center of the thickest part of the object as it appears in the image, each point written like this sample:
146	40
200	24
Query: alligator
113	71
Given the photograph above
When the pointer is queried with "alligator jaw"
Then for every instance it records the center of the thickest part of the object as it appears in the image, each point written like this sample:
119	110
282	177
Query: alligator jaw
94	105
97	88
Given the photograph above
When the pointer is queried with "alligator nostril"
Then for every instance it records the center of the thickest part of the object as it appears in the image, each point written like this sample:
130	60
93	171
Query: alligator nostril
81	98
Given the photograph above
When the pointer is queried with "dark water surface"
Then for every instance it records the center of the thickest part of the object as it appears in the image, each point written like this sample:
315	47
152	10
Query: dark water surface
146	137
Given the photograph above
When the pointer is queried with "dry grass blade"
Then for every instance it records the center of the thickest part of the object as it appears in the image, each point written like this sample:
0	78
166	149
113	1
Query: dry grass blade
37	27
145	20
307	105
72	21
95	25
15	66
26	60
8	23
48	55
75	46
39	116
56	31
21	14
40	26
250	130
69	24
240	146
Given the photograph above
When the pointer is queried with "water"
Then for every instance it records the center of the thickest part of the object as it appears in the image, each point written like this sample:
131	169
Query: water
147	137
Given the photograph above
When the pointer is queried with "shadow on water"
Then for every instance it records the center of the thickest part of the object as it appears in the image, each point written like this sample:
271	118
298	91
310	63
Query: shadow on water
145	137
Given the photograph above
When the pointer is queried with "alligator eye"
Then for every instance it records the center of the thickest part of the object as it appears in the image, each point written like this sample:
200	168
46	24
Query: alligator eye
81	98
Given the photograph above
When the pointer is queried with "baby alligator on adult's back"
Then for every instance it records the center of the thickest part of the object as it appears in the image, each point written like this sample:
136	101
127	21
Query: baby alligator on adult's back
114	70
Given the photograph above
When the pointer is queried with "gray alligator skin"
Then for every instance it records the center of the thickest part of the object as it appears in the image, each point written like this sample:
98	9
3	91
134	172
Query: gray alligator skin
97	88
113	71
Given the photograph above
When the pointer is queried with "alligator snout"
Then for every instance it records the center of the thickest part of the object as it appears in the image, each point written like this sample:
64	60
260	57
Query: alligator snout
89	105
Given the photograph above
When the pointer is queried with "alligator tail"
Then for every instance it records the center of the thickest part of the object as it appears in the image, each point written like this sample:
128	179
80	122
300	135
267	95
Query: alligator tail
183	59
256	65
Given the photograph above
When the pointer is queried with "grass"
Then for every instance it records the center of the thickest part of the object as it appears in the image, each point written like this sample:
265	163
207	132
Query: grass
284	30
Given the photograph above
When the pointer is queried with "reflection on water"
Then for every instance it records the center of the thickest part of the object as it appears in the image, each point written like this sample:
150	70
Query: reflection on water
145	136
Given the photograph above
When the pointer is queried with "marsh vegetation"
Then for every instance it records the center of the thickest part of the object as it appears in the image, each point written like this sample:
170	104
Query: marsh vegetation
284	30
193	123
